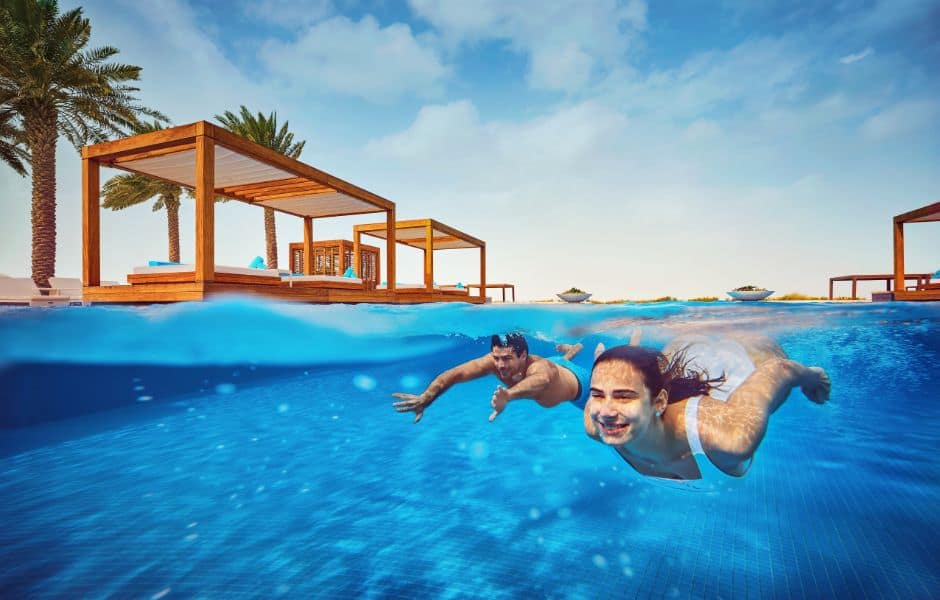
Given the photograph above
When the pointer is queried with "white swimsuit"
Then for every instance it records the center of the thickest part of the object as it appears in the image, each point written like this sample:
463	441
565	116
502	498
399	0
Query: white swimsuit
728	357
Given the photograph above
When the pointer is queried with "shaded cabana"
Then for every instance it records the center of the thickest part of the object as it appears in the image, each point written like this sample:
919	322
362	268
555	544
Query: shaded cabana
428	236
924	290
215	162
333	257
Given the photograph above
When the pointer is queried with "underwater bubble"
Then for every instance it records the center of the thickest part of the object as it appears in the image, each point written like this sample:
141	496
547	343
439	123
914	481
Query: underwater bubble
191	537
602	484
534	513
479	450
364	383
537	468
160	594
409	382
282	589
599	561
628	571
564	512
191	525
145	398
220	446
625	558
191	409
225	389
139	388
283	408
673	592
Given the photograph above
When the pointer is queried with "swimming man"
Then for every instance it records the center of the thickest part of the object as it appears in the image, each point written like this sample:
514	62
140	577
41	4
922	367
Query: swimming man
549	381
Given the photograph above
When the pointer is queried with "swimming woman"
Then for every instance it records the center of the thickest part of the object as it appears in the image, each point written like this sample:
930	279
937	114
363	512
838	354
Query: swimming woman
699	409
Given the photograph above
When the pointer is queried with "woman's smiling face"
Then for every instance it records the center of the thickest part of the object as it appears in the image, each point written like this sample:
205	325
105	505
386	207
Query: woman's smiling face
620	408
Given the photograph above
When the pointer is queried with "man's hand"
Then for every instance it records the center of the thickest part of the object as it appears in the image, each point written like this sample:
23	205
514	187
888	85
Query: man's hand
411	403
499	401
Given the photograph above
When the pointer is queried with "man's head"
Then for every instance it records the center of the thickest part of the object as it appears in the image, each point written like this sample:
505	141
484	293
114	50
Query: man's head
510	353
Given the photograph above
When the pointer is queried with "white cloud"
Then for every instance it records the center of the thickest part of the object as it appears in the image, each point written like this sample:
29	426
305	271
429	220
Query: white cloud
903	118
750	76
568	42
853	58
288	13
702	130
360	59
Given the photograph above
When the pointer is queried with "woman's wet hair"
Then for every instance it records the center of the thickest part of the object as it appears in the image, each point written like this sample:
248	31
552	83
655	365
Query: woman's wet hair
660	373
516	341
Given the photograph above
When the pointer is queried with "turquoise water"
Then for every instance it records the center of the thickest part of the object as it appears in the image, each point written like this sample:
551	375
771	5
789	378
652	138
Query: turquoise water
239	449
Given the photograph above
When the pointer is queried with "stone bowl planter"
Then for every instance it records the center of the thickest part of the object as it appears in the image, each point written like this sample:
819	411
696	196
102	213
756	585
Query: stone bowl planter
751	295
574	297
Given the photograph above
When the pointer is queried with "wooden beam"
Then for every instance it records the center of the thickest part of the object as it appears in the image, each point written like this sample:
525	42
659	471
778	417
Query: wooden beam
263	185
205	208
898	256
308	246
931	212
429	258
311	191
154	153
483	271
172	136
91	223
391	274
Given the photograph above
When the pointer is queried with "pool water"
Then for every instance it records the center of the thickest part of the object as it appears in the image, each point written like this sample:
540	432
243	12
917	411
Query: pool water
243	449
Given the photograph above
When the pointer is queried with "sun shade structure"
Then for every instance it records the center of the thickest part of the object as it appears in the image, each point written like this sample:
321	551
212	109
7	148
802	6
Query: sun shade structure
216	162
924	290
427	235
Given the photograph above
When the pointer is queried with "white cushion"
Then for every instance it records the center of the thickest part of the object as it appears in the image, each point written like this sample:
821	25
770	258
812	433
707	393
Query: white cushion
218	269
336	278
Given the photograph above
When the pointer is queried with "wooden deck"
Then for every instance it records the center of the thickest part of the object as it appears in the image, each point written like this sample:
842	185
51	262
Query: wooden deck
182	287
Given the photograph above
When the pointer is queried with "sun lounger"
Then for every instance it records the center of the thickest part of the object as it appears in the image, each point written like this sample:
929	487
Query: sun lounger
23	290
218	269
187	274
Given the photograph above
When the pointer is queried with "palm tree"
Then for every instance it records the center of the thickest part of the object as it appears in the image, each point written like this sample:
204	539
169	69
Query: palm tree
56	86
11	143
263	130
124	191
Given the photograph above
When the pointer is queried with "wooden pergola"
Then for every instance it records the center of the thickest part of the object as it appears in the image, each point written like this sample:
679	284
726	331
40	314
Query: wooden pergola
924	290
427	235
215	162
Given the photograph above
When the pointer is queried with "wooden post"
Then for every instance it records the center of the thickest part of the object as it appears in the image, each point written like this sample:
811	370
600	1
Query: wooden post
830	288
91	223
483	272
854	287
308	245
429	257
898	256
205	208
390	259
357	261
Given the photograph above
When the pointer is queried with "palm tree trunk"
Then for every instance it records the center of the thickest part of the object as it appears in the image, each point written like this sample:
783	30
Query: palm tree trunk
41	135
173	227
270	238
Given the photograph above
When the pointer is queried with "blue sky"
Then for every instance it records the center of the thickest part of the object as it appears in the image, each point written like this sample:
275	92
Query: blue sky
631	149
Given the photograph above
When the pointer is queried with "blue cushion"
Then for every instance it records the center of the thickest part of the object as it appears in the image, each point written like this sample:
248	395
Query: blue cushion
936	274
459	286
349	272
161	263
257	263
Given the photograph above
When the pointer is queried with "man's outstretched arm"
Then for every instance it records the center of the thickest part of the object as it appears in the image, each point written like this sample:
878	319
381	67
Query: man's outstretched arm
473	369
536	380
